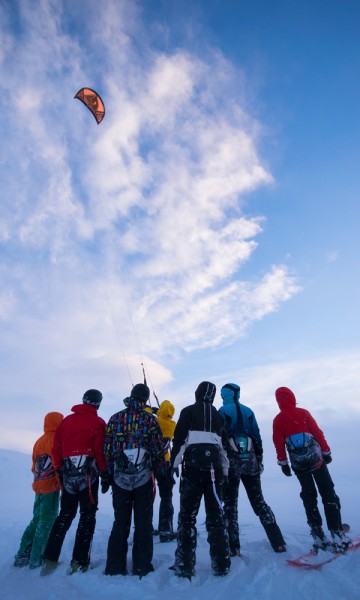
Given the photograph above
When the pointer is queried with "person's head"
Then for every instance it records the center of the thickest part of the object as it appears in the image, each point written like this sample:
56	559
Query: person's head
230	393
205	392
140	392
92	397
285	397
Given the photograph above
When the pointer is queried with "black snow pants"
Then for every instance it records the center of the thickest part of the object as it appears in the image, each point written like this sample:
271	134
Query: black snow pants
166	509
140	500
69	503
252	485
196	483
332	508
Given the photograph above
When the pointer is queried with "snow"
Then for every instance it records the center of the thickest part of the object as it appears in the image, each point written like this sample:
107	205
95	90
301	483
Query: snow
261	575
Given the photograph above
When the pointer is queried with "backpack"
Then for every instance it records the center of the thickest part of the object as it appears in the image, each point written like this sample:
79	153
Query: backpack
304	452
43	468
132	468
242	456
79	472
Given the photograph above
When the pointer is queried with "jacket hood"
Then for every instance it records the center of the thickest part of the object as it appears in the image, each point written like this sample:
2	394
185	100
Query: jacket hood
230	393
205	392
166	410
285	397
84	409
133	404
52	421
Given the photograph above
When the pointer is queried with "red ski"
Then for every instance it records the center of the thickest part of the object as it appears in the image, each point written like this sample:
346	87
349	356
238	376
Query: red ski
313	560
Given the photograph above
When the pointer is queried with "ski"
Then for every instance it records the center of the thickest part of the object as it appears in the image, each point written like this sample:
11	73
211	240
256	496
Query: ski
308	561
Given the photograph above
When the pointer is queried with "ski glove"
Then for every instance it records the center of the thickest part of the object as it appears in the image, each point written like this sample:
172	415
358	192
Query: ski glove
327	458
60	476
286	470
261	466
106	482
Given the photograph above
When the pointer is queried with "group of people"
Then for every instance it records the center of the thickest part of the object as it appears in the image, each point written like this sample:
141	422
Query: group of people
139	446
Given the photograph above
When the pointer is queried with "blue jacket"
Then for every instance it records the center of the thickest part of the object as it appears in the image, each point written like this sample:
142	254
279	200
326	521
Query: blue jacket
246	424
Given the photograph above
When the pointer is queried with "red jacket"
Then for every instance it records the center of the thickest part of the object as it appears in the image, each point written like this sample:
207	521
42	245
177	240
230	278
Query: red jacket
80	433
291	420
45	479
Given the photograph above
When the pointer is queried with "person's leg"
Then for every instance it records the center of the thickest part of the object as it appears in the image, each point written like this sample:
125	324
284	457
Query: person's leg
118	540
217	532
308	495
190	498
22	557
230	497
142	551
68	509
48	511
88	501
166	509
331	501
252	485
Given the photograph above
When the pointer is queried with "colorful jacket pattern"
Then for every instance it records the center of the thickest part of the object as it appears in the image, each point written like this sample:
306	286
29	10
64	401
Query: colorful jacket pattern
131	428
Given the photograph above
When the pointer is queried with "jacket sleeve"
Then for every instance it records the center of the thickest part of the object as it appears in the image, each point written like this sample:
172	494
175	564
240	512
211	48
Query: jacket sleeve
99	445
315	430
56	453
157	445
279	442
255	436
108	446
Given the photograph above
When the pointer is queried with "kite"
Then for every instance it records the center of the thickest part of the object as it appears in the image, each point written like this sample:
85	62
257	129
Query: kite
92	100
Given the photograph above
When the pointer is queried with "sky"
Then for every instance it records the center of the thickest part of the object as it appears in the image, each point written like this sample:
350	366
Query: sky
207	228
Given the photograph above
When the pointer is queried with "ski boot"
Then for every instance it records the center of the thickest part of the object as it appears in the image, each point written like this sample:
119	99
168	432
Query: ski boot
22	560
48	567
76	567
321	542
340	540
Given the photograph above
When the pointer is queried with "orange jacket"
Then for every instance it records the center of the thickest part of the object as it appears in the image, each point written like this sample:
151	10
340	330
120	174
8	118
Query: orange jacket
45	478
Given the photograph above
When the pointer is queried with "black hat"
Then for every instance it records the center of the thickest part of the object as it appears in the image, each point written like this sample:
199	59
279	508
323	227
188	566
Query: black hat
92	397
140	392
205	391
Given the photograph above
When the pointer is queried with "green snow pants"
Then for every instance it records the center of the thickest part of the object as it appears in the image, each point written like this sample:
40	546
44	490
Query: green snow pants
35	536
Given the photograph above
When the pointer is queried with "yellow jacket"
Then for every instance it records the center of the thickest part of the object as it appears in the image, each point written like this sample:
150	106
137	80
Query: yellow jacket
164	414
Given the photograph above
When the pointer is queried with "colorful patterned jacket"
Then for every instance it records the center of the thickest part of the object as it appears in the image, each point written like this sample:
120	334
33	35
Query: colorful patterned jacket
134	427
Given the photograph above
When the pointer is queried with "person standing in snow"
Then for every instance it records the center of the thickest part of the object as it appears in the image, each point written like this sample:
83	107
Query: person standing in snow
296	432
134	446
166	482
197	445
78	456
46	505
245	453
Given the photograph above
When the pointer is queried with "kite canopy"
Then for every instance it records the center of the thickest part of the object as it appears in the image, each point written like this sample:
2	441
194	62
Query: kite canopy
92	100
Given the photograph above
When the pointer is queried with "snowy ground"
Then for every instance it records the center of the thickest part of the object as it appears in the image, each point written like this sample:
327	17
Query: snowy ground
263	575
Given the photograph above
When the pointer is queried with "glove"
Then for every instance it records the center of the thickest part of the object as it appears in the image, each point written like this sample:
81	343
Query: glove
60	476
261	466
286	470
327	458
106	482
174	472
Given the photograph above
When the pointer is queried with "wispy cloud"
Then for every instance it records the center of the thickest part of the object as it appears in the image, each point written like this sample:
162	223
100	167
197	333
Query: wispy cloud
137	227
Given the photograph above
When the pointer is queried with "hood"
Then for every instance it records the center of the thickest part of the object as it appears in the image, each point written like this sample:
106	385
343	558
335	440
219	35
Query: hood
166	410
84	409
230	393
285	397
52	421
133	404
205	392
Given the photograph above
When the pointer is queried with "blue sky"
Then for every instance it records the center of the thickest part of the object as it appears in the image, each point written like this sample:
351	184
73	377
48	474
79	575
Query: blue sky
208	227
